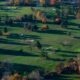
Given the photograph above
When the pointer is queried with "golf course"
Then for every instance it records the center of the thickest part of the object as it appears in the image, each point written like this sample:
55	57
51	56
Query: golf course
17	44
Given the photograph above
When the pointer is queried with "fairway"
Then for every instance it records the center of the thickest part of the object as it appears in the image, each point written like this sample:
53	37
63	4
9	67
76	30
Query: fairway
53	38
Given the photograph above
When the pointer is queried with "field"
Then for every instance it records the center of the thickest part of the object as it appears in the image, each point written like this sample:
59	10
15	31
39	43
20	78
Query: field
54	38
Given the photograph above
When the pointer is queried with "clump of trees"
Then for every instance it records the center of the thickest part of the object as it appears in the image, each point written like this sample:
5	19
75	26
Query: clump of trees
78	14
59	68
40	16
42	2
14	2
72	66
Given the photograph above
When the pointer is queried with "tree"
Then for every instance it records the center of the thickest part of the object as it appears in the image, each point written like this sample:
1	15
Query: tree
29	26
58	20
27	2
59	68
78	10
78	14
44	54
78	61
42	2
38	15
44	19
45	27
38	45
64	23
52	2
15	2
5	29
35	28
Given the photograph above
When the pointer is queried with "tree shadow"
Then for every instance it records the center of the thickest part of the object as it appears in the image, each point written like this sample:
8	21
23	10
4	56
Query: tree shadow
74	24
18	36
20	68
49	22
59	32
5	41
46	45
68	55
54	76
16	53
12	24
10	42
65	51
77	37
28	68
56	59
74	28
71	17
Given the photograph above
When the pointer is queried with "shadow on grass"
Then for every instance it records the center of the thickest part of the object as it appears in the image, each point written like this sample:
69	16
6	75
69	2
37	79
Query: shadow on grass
49	22
18	36
65	51
68	55
74	24
46	45
5	41
56	59
16	53
54	76
77	37
59	32
21	68
74	28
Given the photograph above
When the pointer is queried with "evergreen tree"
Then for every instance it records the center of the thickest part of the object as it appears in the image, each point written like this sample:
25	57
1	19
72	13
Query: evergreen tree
5	29
39	45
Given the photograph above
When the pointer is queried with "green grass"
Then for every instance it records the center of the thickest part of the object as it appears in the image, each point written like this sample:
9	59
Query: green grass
51	39
2	3
15	11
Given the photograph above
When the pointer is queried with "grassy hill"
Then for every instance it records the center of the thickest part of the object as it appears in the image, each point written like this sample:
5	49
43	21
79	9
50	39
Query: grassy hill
54	38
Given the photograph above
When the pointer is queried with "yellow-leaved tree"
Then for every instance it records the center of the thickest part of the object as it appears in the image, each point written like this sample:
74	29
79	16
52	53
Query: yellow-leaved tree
16	2
42	2
38	14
